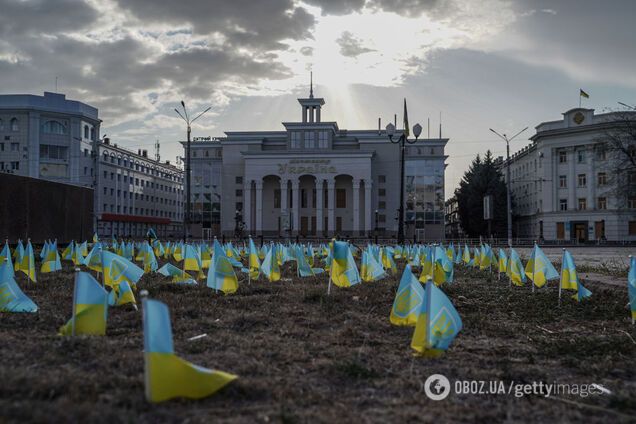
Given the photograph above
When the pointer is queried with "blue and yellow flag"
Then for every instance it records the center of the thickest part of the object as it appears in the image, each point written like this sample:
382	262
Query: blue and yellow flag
344	271
514	271
6	253
539	269
370	268
631	286
254	263
192	260
570	278
167	376
221	274
408	300
51	261
26	263
502	262
466	256
67	254
90	307
437	324
12	299
121	294
178	275
270	267
151	234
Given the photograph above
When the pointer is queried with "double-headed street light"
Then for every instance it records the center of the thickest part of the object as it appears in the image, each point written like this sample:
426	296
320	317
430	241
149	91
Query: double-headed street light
508	182
186	118
390	131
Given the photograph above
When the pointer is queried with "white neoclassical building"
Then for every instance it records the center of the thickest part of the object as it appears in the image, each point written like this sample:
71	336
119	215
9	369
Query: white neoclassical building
314	179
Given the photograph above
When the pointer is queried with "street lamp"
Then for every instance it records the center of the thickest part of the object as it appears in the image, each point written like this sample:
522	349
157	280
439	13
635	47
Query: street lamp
186	118
390	130
627	106
508	182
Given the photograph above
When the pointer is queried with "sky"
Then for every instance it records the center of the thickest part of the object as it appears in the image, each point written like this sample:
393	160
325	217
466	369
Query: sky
502	64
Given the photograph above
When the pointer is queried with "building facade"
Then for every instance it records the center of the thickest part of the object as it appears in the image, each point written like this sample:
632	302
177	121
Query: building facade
566	185
48	137
314	179
52	138
135	193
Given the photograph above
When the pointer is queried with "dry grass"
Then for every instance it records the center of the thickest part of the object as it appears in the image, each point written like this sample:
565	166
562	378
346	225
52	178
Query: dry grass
303	356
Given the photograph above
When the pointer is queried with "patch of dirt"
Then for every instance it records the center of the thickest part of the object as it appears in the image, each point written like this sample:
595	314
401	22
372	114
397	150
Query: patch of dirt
303	356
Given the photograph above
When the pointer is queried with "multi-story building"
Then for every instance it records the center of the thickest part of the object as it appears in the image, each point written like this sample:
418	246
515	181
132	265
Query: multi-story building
135	193
314	179
453	223
566	185
48	137
52	138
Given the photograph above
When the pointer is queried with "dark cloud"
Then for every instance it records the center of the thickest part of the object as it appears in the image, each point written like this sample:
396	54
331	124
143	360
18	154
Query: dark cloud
351	46
262	23
18	17
337	7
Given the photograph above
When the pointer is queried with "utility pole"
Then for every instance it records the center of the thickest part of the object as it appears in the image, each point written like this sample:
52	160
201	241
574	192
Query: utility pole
186	118
508	182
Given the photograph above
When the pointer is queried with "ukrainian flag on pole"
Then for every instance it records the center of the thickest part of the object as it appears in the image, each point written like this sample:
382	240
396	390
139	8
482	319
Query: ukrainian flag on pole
514	270
26	263
539	269
254	262
570	278
408	300
90	307
221	274
166	375
437	325
344	272
12	299
370	268
121	294
270	267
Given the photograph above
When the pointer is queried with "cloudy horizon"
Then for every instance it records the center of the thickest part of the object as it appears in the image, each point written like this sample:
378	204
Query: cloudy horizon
505	64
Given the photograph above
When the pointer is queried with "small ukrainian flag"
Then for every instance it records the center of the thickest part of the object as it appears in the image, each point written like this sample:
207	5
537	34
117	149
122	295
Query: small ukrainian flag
90	307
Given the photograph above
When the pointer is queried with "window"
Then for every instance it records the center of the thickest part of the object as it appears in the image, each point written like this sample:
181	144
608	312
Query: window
631	202
239	206
310	142
341	198
560	230
1	147
382	204
1	125
602	179
580	154
239	193
582	180
303	198
381	179
15	147
381	217
601	203
295	140
85	170
563	204
323	140
14	124
277	198
7	137
238	180
563	181
52	152
54	127
632	228
601	153
563	156
382	192
582	204
86	131
93	134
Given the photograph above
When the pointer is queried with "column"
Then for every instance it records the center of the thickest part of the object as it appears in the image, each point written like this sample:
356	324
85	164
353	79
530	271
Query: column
356	207
331	206
258	185
320	193
368	213
295	205
247	206
283	204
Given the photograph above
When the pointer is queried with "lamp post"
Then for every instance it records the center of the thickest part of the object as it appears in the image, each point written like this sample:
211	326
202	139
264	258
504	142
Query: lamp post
186	118
390	130
237	224
508	182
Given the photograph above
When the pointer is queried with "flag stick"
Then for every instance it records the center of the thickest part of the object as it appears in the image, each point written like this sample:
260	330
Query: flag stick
330	271
560	282
534	262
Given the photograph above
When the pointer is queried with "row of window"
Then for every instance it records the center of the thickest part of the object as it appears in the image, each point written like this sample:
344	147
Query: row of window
601	179
206	153
140	167
601	203
142	183
13	166
601	154
13	125
309	140
15	147
140	196
138	211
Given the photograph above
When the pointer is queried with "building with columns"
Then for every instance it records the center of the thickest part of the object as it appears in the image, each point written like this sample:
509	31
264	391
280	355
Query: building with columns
314	179
566	185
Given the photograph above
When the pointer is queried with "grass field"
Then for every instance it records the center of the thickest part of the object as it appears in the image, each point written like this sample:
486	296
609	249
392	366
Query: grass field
302	356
